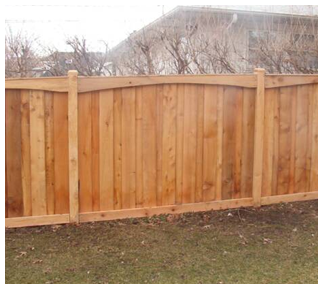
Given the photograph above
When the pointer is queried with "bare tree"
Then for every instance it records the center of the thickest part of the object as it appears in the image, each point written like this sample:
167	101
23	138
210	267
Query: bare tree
20	54
142	56
85	61
285	46
208	42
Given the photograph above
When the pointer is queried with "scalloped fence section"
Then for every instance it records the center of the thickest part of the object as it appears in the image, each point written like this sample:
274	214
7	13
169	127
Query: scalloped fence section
82	149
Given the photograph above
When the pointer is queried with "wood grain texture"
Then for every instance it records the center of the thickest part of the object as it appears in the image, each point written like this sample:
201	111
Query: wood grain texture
73	147
37	153
87	84
268	157
85	151
179	143
159	140
128	139
210	142
259	137
139	149
117	139
61	153
106	159
273	81
285	116
301	141
25	153
314	141
159	145
49	152
95	145
57	84
219	143
232	139
247	141
149	131
190	143
199	144
169	144
13	151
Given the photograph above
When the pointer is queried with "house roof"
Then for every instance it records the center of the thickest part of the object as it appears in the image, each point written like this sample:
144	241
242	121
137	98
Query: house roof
242	10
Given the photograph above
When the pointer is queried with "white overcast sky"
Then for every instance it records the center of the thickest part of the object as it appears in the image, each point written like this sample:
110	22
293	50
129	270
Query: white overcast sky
53	24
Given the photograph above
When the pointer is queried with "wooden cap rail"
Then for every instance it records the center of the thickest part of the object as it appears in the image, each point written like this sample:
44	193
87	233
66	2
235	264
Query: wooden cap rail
272	81
87	84
56	84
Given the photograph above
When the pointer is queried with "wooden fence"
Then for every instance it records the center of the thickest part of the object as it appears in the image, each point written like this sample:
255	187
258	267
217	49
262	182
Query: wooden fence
83	149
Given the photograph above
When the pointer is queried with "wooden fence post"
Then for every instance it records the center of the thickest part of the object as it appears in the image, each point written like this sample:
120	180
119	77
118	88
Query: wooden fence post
73	146
259	137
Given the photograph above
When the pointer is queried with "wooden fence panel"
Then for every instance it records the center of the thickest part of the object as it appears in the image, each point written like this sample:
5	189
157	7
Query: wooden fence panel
146	143
290	140
36	153
172	144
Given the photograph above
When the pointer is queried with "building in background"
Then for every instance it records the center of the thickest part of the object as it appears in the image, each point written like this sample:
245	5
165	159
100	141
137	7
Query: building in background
222	39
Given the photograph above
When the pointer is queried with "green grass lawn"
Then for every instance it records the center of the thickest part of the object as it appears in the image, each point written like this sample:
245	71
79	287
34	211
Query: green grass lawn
273	244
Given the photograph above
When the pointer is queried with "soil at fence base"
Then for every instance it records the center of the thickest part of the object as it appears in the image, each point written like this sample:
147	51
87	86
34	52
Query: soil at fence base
273	244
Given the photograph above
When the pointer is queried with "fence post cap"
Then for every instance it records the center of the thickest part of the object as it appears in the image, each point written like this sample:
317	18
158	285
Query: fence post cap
259	70
72	72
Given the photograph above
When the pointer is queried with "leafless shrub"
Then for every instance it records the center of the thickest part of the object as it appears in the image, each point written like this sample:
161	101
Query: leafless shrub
20	54
221	43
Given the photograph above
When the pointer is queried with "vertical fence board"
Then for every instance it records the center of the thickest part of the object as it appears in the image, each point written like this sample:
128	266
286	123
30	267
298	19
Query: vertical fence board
309	124
285	117
49	152
247	146
259	137
149	123
267	175
128	148
230	145
85	151
13	150
159	139
276	139
190	144
73	173
117	138
169	144
314	142
37	153
210	142
293	108
301	112
61	153
106	124
238	106
25	152
219	143
139	149
95	137
179	142
199	144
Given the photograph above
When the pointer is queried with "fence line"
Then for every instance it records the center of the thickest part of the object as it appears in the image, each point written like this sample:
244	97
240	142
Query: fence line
84	149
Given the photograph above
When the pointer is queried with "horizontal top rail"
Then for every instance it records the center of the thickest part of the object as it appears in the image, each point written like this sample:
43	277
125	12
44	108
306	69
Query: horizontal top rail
57	84
272	81
95	83
86	84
